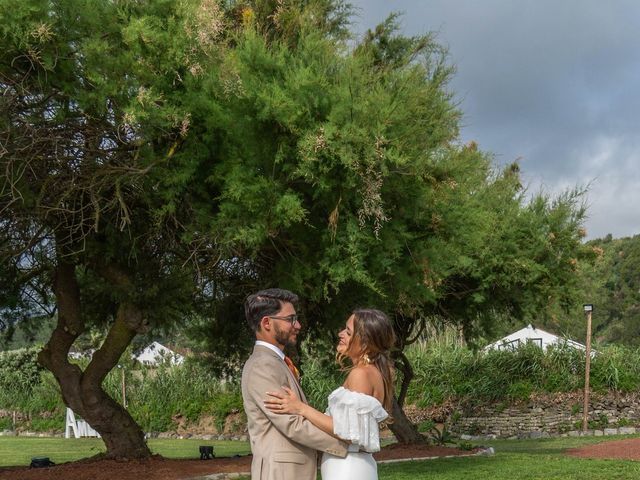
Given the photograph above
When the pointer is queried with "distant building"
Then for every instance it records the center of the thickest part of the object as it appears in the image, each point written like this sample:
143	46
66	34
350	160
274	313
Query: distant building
530	334
156	354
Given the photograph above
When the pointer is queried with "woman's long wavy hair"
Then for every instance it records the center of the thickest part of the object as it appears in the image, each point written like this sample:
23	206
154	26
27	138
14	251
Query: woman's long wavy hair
373	332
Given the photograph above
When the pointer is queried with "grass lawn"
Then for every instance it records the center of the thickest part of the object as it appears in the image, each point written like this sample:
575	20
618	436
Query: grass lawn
514	459
19	450
518	459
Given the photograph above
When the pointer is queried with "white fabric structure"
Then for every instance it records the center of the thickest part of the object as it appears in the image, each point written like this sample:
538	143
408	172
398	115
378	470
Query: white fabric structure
156	353
355	418
79	428
530	334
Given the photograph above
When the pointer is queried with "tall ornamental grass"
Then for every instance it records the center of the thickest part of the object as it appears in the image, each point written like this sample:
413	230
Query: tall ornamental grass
446	370
157	397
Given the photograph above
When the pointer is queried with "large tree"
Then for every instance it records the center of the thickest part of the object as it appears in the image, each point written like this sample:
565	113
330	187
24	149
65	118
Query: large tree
381	203
162	159
103	210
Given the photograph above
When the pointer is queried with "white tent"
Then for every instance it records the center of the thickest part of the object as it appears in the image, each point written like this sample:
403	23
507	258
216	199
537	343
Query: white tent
530	334
156	353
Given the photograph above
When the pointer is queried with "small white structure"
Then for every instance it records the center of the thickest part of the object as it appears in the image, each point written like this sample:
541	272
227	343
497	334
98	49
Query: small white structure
156	353
80	428
530	334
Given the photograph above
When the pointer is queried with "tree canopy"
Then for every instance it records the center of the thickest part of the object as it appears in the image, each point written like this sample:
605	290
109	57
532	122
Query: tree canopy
161	160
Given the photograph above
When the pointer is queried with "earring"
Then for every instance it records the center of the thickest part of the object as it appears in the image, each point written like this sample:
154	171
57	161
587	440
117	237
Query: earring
366	359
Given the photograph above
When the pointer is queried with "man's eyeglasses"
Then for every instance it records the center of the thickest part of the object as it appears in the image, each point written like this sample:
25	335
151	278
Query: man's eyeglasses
292	319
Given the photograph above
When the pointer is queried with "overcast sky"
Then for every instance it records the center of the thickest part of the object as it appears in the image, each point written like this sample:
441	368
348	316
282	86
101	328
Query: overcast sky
552	84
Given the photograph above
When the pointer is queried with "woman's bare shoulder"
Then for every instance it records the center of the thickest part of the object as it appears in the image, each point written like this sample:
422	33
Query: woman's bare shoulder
363	379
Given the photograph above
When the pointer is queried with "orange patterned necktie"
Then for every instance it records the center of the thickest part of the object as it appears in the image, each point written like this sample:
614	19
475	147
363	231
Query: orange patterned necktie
292	367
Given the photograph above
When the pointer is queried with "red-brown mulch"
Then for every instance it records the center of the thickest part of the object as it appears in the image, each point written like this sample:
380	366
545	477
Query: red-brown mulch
397	451
158	468
619	449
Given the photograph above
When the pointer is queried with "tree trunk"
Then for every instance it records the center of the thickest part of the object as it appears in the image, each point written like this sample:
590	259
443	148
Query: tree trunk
82	390
402	428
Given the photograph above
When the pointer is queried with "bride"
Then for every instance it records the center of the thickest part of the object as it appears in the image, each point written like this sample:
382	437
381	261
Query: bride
355	408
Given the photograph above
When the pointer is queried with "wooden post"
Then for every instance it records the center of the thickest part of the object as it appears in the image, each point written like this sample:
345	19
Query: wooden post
587	367
124	390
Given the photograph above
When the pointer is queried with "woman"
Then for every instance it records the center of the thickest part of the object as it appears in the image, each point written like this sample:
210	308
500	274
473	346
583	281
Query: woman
356	408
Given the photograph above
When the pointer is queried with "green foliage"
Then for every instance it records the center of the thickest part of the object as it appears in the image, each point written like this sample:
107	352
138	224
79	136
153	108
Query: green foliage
213	148
456	372
50	424
157	396
6	423
609	281
624	422
19	375
426	425
575	408
440	435
593	424
224	404
520	390
465	446
321	374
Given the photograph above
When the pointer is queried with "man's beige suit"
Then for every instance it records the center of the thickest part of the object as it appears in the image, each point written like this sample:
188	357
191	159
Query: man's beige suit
284	447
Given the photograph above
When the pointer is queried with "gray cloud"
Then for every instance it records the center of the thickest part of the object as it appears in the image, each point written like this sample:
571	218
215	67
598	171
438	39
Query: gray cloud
550	83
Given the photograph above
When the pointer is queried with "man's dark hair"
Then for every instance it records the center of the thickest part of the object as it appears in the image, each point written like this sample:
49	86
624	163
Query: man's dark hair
264	303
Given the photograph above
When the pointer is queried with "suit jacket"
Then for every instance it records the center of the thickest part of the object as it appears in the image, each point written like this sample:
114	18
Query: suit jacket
284	447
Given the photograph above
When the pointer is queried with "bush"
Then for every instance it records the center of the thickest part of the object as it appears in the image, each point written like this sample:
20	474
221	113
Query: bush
19	374
49	424
225	403
6	423
446	371
520	390
155	396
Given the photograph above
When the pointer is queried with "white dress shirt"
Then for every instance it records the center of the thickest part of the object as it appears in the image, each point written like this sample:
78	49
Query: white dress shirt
272	347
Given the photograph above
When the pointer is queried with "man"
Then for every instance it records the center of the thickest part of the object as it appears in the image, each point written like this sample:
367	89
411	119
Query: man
283	446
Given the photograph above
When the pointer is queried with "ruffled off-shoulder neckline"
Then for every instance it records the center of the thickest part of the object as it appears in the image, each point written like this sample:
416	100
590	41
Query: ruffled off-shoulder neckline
362	401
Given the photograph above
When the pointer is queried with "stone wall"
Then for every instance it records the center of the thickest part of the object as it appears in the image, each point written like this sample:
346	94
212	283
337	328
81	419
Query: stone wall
549	415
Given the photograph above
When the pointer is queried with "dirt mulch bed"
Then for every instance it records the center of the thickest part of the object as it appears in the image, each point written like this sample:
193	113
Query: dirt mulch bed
398	451
618	449
158	468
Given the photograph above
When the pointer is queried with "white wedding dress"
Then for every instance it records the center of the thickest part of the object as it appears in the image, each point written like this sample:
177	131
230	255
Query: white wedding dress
355	419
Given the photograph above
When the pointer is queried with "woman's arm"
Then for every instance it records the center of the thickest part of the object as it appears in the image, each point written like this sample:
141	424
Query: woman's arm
288	402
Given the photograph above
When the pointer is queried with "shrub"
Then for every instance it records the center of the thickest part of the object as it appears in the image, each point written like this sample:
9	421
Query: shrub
225	403
445	371
19	374
6	423
520	390
466	446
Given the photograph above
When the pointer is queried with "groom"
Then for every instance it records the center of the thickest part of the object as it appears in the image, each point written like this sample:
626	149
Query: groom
283	446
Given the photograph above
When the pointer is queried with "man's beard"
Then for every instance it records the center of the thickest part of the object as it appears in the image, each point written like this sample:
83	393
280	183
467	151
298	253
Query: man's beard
284	338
